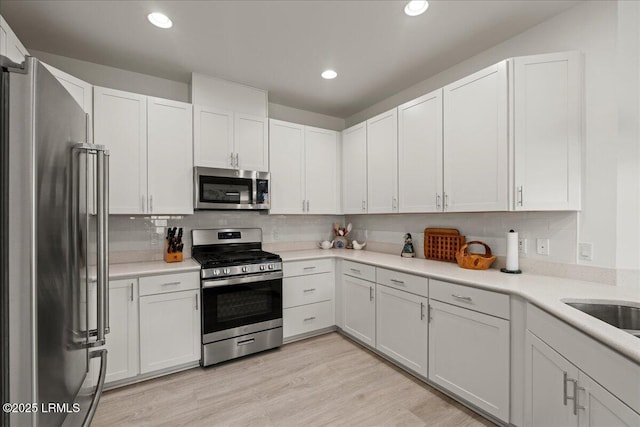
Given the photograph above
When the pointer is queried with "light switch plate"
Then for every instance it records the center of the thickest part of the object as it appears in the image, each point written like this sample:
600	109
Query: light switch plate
585	251
522	246
542	246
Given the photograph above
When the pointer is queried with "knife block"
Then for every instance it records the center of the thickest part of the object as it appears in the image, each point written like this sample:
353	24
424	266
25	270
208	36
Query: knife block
173	256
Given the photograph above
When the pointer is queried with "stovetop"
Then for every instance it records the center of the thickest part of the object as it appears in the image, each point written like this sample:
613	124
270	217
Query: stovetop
232	258
231	253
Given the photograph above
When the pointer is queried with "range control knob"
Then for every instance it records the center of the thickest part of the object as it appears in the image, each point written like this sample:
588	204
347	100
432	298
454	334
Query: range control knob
262	267
227	271
216	272
245	269
271	266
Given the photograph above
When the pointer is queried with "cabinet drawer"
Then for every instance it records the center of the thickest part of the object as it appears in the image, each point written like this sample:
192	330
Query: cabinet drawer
476	299
307	289
312	266
363	271
307	318
164	283
403	281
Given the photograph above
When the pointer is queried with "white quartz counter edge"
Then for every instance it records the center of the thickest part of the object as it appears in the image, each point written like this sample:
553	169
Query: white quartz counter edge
151	268
545	292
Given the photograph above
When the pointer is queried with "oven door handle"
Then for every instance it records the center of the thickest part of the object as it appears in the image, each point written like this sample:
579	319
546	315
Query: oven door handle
216	283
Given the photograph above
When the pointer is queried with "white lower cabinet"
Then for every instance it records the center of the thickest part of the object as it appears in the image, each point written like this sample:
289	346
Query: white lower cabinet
122	340
359	309
169	320
557	393
402	327
308	289
469	356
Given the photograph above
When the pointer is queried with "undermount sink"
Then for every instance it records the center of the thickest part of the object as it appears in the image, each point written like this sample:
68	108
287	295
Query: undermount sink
621	316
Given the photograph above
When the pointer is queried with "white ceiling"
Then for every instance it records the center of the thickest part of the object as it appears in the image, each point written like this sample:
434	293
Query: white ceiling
281	46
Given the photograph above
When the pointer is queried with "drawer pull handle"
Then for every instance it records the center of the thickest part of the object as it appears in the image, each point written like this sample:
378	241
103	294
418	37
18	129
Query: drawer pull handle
421	310
309	268
171	284
355	270
309	290
245	342
309	319
397	282
462	297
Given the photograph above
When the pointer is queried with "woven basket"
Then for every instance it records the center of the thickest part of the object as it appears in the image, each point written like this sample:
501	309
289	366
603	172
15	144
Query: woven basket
442	244
475	261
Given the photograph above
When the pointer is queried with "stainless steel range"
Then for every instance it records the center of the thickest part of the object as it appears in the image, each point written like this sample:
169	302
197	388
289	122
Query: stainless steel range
241	293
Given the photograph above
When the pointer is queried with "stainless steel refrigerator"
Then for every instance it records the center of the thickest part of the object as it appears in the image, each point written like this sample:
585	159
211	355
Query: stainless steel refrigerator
53	246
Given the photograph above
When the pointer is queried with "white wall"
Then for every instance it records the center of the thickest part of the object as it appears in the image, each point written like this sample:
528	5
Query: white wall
116	78
303	117
592	28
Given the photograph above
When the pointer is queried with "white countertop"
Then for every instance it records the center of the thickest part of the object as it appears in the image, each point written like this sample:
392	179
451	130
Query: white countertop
543	291
134	269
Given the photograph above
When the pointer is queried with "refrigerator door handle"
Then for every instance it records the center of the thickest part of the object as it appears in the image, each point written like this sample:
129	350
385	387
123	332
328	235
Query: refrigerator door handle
102	354
102	165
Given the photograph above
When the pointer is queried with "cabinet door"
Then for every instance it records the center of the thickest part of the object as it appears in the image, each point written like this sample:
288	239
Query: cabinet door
469	356
359	309
597	407
354	169
382	163
122	340
547	131
13	48
120	123
547	386
212	137
476	141
420	154
169	330
251	142
321	172
402	327
170	159
286	148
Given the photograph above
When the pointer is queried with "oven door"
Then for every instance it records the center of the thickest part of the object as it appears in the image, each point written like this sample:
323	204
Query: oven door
239	306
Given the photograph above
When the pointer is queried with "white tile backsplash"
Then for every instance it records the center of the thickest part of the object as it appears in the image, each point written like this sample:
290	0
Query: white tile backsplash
490	227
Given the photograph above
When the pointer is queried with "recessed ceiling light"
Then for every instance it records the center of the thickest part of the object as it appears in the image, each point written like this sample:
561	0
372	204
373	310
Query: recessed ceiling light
160	20
416	7
329	74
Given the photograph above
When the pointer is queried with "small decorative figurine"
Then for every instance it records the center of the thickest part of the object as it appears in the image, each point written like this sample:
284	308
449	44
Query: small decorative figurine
407	249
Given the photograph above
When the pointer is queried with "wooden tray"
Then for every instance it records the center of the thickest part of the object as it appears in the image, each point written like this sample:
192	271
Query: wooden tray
442	244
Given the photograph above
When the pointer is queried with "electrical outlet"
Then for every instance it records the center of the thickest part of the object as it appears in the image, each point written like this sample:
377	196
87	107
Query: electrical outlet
276	235
542	246
522	246
585	251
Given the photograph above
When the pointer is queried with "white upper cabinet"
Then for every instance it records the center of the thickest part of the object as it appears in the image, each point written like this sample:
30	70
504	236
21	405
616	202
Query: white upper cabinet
547	104
382	162
287	167
170	160
120	123
321	171
251	142
229	140
212	137
303	169
149	140
420	154
354	169
10	46
476	141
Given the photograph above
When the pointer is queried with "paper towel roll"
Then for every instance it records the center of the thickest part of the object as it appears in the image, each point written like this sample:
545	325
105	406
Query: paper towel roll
512	250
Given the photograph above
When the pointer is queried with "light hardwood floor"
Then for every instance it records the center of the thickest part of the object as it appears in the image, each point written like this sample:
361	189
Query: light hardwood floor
326	380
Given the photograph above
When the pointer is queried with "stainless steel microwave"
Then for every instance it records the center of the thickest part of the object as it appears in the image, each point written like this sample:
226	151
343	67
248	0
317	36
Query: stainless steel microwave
227	189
